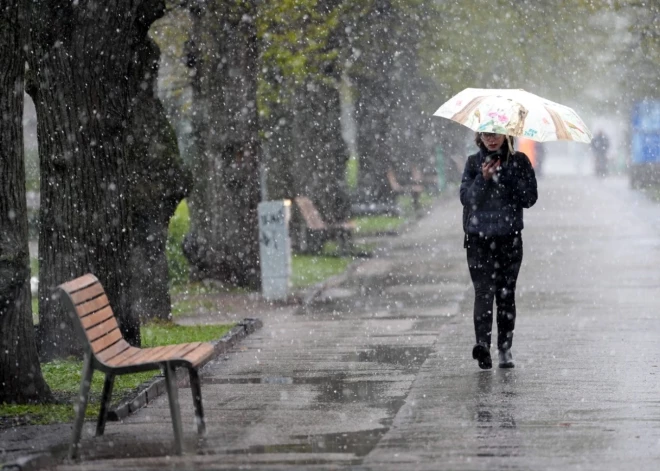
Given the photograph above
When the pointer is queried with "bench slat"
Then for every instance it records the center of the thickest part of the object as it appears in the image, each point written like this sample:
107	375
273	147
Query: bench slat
92	306
114	351
346	225
194	353
106	341
176	351
168	352
310	214
201	353
96	318
145	355
87	293
104	328
114	360
79	283
417	188
394	183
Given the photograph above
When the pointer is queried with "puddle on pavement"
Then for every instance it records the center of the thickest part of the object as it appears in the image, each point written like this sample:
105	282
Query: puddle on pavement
331	389
399	355
341	389
355	443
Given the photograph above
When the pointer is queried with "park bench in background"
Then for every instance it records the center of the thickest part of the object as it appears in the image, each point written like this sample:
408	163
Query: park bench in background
415	190
107	351
312	231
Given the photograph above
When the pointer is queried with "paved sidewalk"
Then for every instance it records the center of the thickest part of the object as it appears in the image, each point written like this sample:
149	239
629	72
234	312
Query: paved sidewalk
377	373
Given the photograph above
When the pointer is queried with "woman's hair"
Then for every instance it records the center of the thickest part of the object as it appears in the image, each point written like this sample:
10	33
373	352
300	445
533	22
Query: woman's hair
482	146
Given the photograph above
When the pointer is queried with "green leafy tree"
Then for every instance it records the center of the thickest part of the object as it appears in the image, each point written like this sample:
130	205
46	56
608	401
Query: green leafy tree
304	47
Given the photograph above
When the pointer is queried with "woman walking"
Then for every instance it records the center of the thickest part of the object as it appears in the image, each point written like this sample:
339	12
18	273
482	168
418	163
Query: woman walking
497	184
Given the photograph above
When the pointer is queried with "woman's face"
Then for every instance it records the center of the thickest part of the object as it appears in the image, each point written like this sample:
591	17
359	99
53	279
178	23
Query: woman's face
492	141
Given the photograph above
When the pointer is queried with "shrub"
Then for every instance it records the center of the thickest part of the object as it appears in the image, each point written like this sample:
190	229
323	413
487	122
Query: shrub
178	228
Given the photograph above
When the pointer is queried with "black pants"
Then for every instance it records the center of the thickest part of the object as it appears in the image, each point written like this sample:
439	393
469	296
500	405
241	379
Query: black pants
494	264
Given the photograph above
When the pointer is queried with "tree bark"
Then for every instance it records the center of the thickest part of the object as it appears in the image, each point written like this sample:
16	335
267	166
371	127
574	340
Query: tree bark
278	155
375	102
21	380
80	60
407	120
320	150
375	158
223	242
158	179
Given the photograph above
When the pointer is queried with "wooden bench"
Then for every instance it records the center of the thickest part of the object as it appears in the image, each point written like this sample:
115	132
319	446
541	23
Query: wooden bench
107	351
315	231
415	190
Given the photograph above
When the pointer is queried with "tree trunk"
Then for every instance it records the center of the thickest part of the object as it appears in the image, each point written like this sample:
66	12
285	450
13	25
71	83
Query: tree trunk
372	115
278	155
320	150
407	120
20	374
223	242
371	76
80	61
158	180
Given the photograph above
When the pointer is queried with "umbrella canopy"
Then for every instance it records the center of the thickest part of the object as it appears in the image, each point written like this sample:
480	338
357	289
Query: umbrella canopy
515	112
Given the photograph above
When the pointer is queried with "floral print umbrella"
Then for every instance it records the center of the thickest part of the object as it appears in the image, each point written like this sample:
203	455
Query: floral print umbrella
515	112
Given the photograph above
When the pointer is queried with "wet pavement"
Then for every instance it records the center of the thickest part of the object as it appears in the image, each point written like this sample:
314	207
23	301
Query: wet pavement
377	373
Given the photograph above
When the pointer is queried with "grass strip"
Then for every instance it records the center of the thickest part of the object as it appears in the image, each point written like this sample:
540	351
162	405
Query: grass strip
63	377
307	270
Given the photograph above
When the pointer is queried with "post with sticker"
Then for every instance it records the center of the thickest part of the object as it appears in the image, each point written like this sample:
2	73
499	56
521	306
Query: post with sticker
275	249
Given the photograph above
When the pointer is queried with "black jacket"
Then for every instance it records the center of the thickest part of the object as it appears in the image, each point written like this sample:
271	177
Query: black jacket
495	207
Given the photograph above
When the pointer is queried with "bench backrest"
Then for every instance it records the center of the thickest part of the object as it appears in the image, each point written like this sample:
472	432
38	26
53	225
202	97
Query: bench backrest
394	183
309	213
416	174
90	308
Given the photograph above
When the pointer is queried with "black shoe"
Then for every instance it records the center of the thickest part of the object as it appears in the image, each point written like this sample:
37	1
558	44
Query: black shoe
481	353
506	359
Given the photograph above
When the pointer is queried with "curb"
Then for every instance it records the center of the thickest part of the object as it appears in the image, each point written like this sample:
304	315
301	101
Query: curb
28	463
156	387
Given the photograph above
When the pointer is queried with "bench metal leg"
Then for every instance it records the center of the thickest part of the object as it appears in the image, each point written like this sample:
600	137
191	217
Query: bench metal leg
415	201
345	241
105	403
87	373
173	397
196	389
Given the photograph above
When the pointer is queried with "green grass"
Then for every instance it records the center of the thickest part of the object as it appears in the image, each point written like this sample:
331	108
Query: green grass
405	203
34	414
161	333
308	270
204	287
63	377
187	306
372	225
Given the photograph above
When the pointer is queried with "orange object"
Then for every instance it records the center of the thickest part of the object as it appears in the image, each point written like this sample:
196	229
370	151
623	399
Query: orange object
528	147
